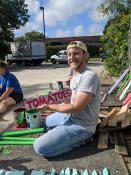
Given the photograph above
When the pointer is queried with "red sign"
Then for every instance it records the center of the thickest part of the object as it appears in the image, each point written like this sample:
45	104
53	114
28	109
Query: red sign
53	98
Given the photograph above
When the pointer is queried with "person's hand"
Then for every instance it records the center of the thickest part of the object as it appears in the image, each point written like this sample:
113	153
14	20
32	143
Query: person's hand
43	108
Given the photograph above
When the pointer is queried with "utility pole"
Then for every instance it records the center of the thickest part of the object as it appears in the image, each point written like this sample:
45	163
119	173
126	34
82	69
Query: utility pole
42	8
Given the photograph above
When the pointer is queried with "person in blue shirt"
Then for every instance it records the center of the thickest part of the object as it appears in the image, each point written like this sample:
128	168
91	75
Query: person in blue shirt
10	90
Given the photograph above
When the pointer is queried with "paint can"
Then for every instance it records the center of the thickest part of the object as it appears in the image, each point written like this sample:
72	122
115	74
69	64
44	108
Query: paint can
59	85
19	116
33	118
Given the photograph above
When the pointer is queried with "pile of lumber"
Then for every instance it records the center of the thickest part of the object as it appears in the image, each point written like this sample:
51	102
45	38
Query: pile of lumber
112	130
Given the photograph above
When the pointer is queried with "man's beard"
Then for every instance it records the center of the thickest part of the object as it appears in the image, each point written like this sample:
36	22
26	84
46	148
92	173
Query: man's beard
81	64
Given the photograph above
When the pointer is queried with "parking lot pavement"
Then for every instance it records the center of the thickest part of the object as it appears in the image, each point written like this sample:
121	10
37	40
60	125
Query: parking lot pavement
34	80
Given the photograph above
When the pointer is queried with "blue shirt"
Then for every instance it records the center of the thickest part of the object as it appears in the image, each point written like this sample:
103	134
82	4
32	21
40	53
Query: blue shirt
9	81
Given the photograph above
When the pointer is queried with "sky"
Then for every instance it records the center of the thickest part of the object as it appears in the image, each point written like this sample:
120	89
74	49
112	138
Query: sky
64	18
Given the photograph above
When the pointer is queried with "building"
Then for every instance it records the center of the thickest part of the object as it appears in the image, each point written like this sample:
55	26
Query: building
93	43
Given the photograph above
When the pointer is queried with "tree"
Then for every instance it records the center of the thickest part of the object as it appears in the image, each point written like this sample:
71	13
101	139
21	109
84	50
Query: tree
33	35
115	35
13	15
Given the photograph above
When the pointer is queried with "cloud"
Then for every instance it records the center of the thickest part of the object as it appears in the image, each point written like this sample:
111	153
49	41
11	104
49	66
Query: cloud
62	33
58	12
95	29
63	10
33	6
78	30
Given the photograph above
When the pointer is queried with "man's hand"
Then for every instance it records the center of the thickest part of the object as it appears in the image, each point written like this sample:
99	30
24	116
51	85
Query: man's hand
43	108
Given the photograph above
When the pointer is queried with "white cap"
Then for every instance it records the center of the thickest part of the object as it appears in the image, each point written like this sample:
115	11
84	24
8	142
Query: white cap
78	44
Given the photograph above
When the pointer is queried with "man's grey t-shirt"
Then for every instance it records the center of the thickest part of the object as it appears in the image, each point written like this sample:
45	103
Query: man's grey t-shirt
86	81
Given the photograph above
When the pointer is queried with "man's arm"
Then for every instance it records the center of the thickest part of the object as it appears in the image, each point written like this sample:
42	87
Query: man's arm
6	93
82	99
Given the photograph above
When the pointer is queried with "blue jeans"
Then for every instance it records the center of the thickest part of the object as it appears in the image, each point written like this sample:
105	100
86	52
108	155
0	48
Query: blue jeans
63	137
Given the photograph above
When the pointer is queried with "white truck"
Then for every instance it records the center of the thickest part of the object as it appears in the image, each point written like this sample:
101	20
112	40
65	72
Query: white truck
60	57
27	52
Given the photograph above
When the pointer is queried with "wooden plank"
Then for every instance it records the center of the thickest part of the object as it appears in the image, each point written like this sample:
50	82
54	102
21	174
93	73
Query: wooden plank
14	173
112	122
103	140
118	81
125	91
16	142
62	172
95	172
112	113
18	138
126	122
119	141
74	172
127	100
67	171
53	172
104	97
122	113
105	171
123	84
85	172
22	132
2	171
120	116
35	172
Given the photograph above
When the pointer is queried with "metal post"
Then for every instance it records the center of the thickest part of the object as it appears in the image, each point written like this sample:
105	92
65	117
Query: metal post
42	8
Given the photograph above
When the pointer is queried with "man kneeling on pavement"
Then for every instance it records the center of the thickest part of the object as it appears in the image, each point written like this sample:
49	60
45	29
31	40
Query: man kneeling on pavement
75	122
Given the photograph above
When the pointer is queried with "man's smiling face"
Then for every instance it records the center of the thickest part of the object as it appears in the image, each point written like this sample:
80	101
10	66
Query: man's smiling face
76	58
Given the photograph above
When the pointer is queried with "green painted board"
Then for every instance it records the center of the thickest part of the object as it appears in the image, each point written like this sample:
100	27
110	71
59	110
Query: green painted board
16	142
22	132
18	138
125	91
2	172
67	171
123	84
35	172
105	172
94	172
62	172
74	172
85	173
14	173
53	172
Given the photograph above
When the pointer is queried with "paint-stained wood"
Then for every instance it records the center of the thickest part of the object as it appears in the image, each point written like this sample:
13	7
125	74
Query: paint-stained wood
103	140
119	141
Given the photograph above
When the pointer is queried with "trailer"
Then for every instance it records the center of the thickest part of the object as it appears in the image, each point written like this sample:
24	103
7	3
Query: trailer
27	52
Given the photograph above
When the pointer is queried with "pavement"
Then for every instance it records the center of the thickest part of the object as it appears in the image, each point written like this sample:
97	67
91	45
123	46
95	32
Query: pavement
35	80
13	157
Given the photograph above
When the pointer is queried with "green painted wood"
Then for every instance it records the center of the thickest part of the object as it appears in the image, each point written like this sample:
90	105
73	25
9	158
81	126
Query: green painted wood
14	173
35	172
85	173
125	91
67	171
74	172
105	172
62	172
2	172
94	172
53	172
18	138
123	84
22	132
16	142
